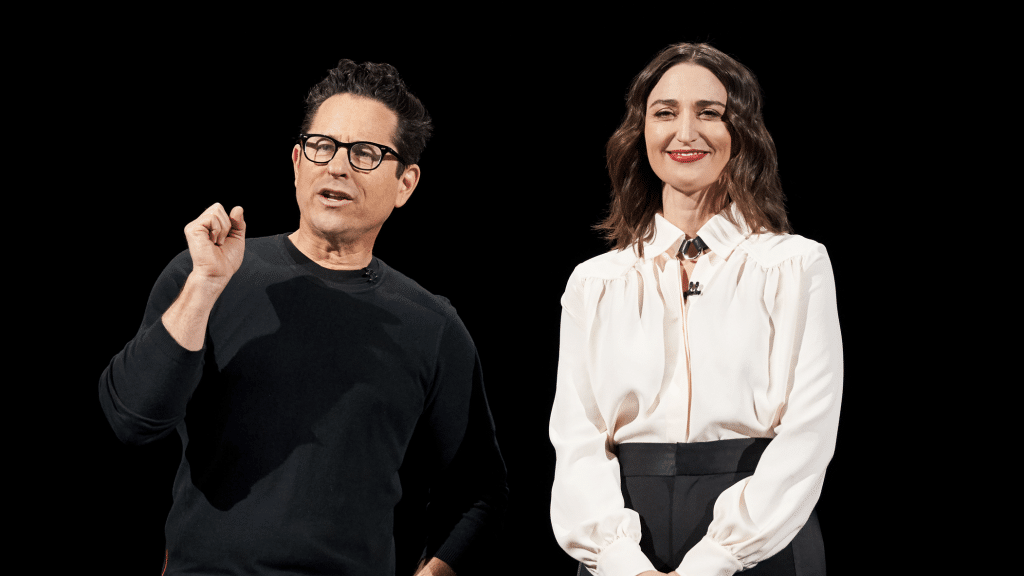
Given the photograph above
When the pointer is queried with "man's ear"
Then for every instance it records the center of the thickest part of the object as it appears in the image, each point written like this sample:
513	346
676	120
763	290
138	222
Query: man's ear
295	163
406	184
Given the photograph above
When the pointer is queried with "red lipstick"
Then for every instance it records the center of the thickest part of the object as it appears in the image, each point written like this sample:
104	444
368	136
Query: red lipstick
687	156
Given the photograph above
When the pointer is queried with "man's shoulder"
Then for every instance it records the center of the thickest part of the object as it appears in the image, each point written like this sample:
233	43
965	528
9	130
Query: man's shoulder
422	310
266	246
408	289
263	242
260	247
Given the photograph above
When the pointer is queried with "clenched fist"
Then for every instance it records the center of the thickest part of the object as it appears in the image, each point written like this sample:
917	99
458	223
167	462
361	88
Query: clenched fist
216	242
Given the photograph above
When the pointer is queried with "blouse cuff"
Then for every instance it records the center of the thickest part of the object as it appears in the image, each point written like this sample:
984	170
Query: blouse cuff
623	557
709	558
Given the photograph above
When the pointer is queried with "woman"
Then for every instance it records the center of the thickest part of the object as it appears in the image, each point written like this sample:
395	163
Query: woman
700	364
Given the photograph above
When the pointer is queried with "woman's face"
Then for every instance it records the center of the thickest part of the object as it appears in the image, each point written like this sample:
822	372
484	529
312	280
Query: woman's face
688	143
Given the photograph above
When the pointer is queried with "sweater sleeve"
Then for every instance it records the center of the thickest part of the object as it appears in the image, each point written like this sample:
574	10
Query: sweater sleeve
588	514
144	389
469	495
757	517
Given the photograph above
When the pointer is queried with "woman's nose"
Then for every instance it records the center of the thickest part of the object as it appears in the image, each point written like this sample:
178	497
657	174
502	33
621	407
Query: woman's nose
686	129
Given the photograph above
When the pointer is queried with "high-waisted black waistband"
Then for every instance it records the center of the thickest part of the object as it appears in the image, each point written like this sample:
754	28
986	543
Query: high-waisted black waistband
717	457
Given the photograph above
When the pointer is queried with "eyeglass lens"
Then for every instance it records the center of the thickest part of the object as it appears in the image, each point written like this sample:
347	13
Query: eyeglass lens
362	155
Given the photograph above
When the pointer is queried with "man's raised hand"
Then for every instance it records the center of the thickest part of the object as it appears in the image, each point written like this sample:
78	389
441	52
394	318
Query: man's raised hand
216	242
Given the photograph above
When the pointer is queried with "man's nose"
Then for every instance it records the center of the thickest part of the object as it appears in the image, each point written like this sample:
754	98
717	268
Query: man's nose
339	165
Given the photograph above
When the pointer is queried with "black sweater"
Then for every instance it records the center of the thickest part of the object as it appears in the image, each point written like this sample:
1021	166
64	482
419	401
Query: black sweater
314	388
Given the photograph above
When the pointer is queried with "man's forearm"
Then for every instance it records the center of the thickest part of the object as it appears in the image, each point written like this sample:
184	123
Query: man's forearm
434	567
188	316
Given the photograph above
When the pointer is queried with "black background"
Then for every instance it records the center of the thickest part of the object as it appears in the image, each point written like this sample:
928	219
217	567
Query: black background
512	182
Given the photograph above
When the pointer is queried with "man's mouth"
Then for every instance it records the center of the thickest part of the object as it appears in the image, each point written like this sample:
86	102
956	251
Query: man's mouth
686	156
334	197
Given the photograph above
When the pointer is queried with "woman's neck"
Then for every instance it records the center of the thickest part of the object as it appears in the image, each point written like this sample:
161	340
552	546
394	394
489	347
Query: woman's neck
684	210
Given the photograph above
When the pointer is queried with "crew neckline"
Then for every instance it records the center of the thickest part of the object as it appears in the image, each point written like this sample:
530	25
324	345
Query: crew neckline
367	277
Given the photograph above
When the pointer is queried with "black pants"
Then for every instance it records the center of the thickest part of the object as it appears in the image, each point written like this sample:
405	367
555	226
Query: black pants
673	487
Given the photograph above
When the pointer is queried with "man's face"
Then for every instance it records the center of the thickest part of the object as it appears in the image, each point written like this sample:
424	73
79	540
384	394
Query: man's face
342	204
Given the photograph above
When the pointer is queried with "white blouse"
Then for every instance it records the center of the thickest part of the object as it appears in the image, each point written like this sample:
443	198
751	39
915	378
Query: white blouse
757	354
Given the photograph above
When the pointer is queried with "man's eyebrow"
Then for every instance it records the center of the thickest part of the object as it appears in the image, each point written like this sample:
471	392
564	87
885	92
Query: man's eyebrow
674	102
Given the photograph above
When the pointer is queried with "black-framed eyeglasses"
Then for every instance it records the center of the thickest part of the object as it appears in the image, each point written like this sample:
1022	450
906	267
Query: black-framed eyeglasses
321	149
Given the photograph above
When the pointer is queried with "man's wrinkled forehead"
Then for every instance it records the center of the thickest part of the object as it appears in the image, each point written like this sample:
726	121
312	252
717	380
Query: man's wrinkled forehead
351	118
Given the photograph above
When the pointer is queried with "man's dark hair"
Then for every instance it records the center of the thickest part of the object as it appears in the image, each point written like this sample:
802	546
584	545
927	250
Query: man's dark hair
381	83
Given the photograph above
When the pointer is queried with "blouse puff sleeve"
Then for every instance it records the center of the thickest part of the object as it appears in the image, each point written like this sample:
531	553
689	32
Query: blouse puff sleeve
588	516
756	517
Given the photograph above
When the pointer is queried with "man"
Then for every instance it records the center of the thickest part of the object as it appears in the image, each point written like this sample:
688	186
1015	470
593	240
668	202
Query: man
302	372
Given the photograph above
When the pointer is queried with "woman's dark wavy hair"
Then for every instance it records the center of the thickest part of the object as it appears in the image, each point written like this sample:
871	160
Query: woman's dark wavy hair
382	83
750	179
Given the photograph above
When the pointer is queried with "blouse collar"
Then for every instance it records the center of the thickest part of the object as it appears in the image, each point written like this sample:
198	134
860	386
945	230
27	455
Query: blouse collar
721	235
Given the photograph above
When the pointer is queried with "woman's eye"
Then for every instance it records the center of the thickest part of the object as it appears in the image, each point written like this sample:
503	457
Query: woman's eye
710	114
663	114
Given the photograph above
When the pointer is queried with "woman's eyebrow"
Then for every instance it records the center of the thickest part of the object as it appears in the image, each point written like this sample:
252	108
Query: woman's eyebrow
703	103
670	102
674	102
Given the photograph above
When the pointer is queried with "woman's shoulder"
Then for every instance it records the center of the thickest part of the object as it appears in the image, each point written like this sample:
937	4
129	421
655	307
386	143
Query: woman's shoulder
608	266
769	249
592	276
